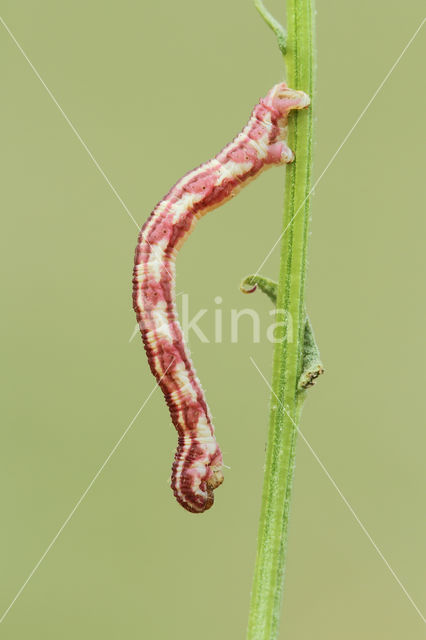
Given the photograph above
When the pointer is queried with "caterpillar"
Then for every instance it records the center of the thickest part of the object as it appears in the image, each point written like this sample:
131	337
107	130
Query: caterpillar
197	466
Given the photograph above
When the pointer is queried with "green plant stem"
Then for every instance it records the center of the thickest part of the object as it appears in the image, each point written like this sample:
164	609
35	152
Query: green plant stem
312	363
286	403
276	27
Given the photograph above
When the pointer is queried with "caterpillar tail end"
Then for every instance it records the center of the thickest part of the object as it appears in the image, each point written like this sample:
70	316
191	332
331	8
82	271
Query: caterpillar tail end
199	498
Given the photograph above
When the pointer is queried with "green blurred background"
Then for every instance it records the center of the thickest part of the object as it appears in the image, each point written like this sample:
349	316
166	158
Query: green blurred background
154	89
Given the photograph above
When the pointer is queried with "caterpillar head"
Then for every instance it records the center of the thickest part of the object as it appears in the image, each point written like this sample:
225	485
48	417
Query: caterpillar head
196	477
280	100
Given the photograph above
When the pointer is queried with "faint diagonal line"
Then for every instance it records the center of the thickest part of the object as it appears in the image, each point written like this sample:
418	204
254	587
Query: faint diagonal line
83	495
76	133
345	139
347	503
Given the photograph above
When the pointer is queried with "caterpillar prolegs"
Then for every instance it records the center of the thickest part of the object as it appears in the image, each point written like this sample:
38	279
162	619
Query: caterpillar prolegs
197	467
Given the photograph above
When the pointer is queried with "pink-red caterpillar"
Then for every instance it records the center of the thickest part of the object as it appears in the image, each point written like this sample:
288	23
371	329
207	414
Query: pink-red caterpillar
197	467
